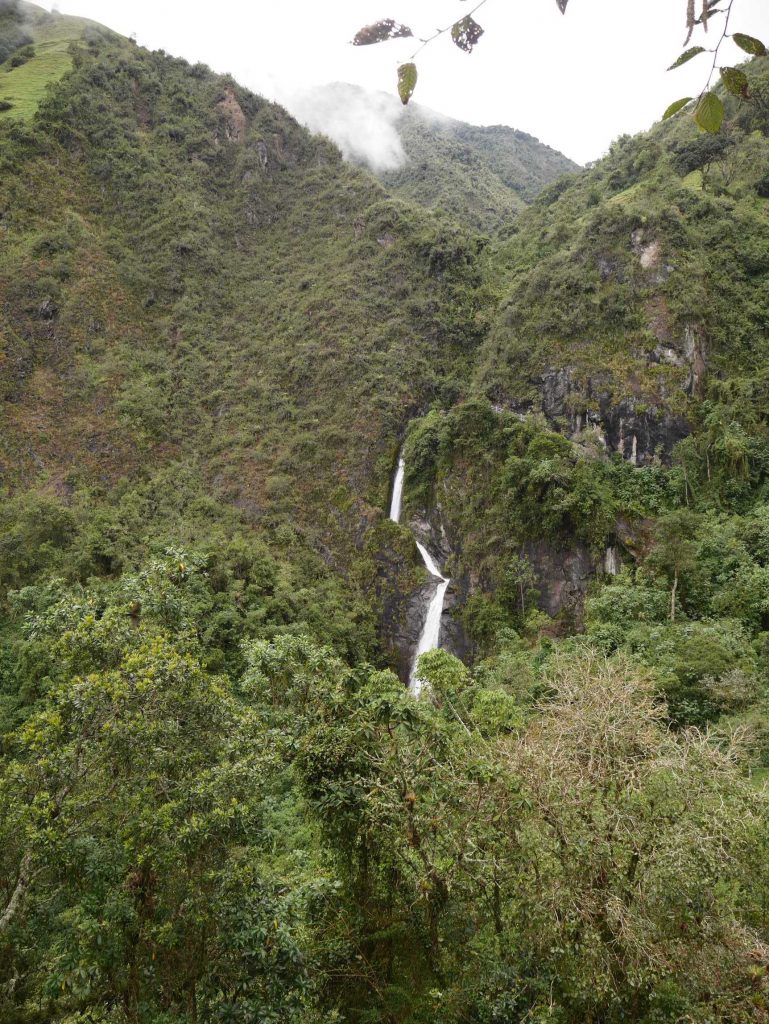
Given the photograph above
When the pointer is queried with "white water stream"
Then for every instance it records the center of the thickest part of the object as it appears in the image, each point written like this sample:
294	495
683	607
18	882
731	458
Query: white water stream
430	636
397	498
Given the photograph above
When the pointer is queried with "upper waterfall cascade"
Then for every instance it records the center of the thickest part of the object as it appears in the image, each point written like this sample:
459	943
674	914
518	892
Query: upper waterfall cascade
395	502
429	638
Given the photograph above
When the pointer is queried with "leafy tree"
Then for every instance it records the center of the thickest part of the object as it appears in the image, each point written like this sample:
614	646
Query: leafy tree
630	863
676	550
131	819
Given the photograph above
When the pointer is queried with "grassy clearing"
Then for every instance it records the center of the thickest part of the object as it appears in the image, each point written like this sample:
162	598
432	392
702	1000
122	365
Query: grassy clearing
25	86
628	194
693	180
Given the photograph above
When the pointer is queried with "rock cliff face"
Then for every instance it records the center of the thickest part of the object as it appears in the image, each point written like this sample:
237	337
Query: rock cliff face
563	572
235	122
639	429
562	577
404	616
405	590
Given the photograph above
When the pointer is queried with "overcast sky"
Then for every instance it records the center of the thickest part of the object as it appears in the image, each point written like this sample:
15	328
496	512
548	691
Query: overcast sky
575	81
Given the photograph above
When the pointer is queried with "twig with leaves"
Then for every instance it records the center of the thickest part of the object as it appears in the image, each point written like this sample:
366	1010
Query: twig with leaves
465	34
709	109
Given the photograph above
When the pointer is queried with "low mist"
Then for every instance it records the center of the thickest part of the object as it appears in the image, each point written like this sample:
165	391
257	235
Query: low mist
363	124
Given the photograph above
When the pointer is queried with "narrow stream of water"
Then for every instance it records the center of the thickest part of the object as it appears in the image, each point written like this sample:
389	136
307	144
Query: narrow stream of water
430	636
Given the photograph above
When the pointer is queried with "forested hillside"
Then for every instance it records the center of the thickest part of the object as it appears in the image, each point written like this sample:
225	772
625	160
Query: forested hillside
481	176
218	801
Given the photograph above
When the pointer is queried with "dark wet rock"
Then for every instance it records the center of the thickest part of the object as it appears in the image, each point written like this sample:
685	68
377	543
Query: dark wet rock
556	387
563	577
407	636
626	417
634	537
405	605
639	430
454	638
403	591
429	528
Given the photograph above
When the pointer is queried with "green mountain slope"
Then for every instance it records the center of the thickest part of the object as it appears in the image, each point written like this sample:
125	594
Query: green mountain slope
482	176
35	48
627	289
618	412
203	285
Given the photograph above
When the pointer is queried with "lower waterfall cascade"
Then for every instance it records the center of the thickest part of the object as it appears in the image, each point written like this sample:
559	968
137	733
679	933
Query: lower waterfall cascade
430	635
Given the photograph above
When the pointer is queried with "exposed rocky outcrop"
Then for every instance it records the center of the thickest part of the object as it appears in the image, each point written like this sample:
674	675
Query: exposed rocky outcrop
638	428
648	249
406	590
234	119
635	399
640	432
454	636
563	577
403	600
403	620
430	530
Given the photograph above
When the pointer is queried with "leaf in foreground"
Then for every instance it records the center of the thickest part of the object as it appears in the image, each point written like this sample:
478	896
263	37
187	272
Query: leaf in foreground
750	44
709	112
675	107
466	32
686	56
407	81
735	81
380	32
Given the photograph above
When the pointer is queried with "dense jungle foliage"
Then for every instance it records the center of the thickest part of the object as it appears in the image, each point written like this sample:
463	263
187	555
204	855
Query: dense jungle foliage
218	802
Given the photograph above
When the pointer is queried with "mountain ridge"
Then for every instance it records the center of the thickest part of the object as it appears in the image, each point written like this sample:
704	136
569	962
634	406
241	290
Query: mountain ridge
481	176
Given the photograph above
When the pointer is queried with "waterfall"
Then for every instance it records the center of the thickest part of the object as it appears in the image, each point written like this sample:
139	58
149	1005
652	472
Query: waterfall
395	502
430	636
612	564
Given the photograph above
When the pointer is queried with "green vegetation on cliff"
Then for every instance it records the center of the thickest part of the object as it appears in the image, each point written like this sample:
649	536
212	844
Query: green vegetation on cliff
618	419
644	277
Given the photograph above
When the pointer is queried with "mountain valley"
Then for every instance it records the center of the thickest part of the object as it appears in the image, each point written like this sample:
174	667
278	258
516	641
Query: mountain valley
219	798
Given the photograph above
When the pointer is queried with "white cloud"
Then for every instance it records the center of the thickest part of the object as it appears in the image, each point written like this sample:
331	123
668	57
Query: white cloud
363	124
